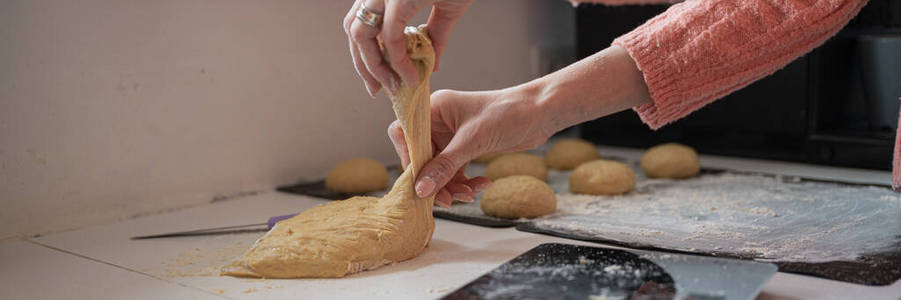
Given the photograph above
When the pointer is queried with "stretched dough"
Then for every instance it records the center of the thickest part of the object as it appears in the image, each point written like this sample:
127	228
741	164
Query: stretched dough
360	233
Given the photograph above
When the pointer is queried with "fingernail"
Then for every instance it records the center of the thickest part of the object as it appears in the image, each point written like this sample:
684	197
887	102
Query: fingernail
425	186
445	205
481	187
373	91
463	197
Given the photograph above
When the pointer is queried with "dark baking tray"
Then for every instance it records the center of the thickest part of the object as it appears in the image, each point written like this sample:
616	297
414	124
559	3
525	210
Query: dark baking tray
878	269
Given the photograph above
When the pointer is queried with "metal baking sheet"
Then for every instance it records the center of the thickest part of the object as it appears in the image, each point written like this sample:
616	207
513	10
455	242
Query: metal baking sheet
841	231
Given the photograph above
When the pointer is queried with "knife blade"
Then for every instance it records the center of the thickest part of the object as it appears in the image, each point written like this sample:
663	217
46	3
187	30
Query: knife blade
258	227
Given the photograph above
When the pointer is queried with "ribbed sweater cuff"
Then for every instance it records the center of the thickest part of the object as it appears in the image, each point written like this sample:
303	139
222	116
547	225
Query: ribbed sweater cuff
668	104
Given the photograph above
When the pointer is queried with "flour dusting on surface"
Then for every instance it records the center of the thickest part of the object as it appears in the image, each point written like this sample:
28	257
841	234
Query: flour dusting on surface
764	217
770	218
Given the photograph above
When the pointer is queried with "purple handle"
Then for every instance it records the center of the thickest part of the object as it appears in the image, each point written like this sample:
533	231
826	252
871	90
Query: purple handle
275	219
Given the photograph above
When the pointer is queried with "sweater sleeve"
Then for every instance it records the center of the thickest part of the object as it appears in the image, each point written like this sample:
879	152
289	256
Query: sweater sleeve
701	50
623	2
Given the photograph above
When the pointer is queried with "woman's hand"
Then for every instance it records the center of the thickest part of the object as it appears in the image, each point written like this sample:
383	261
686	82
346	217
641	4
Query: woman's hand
380	71
466	125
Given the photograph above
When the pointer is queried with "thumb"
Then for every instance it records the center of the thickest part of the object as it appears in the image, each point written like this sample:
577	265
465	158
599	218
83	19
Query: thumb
442	168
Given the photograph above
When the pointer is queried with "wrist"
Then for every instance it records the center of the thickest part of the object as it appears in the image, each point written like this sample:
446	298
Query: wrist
549	102
546	115
607	82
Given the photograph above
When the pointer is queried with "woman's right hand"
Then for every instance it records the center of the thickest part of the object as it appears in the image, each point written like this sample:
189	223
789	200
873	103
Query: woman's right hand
468	124
378	70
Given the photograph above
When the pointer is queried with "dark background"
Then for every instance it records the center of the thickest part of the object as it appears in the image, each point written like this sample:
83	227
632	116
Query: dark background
811	111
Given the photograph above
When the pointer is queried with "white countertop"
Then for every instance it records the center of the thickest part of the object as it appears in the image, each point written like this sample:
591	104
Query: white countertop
100	262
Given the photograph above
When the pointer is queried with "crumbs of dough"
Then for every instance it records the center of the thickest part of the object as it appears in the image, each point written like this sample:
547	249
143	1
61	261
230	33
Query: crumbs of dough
198	261
585	261
438	290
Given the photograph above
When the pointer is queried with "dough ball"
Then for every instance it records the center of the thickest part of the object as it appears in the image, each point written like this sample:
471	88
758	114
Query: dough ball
602	177
357	175
567	154
517	164
670	160
517	197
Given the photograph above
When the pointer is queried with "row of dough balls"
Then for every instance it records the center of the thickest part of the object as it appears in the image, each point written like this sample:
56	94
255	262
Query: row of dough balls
363	175
607	177
566	154
594	175
519	189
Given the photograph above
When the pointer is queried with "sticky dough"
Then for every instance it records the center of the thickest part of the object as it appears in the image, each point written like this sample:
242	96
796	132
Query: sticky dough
360	233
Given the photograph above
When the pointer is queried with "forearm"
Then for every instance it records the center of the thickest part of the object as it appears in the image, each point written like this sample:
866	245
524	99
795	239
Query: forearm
604	83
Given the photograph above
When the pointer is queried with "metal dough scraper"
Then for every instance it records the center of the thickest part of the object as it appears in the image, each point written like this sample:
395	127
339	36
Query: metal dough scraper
562	271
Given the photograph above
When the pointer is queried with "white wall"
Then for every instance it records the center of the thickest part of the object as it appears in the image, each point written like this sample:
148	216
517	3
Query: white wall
110	108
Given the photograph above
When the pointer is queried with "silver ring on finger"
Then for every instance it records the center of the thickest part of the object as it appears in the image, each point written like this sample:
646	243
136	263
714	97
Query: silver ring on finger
369	17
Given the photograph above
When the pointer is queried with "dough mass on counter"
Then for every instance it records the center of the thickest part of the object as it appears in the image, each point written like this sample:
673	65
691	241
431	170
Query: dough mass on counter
360	233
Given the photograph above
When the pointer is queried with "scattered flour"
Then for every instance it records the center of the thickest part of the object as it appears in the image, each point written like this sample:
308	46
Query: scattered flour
774	218
765	217
200	261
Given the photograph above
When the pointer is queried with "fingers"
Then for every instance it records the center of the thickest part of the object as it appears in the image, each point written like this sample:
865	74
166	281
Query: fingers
350	16
364	36
460	192
372	85
458	189
443	199
443	167
478	184
396	17
442	19
396	134
461	189
464	190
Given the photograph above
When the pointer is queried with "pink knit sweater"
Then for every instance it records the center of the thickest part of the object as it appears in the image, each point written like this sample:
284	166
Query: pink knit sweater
701	50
